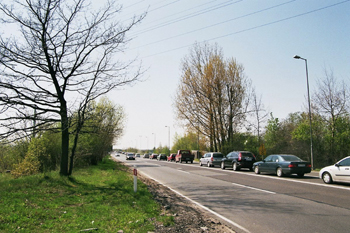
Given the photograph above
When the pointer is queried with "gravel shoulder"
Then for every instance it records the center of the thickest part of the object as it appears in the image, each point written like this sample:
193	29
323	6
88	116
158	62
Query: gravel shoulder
188	217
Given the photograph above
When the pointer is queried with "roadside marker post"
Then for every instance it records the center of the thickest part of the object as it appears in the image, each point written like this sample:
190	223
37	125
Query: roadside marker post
135	179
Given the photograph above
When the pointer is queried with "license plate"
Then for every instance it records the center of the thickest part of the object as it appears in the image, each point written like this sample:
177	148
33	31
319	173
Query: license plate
248	159
301	165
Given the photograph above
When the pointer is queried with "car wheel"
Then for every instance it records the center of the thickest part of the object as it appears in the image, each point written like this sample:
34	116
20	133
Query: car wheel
186	161
256	170
235	167
279	172
327	178
191	161
301	175
222	165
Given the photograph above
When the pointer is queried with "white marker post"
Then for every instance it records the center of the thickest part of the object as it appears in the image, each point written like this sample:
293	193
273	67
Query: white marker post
135	179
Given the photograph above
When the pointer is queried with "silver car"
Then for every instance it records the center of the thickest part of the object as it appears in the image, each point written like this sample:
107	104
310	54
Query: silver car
130	156
339	172
211	159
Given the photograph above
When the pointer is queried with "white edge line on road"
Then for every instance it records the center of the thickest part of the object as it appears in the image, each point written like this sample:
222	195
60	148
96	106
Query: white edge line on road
279	178
275	178
261	190
200	205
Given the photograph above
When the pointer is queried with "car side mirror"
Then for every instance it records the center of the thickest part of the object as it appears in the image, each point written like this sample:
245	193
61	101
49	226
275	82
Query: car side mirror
264	160
337	165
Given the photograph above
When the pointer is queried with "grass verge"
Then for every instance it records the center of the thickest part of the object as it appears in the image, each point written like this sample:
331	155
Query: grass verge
99	198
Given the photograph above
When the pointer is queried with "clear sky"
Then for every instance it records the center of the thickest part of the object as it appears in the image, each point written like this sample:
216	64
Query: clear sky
262	35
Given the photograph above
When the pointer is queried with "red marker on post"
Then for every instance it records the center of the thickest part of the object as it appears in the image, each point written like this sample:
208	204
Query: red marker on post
135	179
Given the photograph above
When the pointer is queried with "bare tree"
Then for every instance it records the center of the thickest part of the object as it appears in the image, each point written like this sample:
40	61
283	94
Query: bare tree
64	56
212	94
330	101
259	115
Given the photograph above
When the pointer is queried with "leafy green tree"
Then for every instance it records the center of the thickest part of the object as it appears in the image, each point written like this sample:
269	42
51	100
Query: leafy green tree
103	125
190	141
12	154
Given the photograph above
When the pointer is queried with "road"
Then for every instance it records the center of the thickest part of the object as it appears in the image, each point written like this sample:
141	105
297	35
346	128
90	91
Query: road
256	203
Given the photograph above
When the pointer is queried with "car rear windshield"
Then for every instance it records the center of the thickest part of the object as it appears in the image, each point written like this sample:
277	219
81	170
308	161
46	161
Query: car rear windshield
185	152
218	155
290	158
247	154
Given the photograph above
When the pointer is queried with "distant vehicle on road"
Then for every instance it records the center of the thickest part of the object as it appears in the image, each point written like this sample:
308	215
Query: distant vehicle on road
130	156
153	156
145	156
283	165
339	172
211	159
171	157
238	160
137	155
184	155
161	157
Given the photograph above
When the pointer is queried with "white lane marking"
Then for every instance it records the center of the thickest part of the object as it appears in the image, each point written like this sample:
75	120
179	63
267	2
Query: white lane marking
274	177
200	205
249	187
279	178
183	171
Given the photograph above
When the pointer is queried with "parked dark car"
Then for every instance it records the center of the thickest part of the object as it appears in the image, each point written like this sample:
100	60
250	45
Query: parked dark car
130	156
161	157
145	156
153	156
283	165
238	160
211	159
184	155
171	157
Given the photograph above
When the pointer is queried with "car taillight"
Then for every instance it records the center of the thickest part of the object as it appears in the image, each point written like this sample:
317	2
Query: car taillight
212	159
239	157
309	165
292	165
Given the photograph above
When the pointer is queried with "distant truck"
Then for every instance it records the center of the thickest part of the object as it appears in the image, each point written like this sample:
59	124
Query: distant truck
184	155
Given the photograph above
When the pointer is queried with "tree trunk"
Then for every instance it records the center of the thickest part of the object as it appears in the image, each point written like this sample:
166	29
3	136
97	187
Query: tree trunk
65	140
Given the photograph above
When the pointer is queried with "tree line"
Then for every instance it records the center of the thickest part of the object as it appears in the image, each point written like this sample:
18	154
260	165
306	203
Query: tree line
221	112
42	152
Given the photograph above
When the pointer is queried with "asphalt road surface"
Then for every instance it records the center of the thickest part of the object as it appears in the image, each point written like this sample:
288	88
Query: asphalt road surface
256	203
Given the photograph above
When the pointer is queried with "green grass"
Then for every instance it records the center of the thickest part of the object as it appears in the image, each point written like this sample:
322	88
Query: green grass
96	197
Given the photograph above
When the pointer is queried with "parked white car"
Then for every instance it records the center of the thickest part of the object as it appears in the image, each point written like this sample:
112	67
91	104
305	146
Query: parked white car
339	172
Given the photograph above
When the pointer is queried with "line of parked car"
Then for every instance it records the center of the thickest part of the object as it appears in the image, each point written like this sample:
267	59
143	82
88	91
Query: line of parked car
279	164
181	156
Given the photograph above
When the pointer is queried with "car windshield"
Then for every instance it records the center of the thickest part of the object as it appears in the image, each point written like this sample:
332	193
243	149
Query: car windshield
290	158
218	155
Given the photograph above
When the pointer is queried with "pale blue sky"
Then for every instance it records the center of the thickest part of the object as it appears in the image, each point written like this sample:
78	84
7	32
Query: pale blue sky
261	35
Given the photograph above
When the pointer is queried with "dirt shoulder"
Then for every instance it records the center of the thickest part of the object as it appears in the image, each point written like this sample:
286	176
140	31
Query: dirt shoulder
188	217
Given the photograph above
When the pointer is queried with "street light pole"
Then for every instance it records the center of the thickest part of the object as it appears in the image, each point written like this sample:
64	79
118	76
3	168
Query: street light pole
168	137
154	140
308	96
